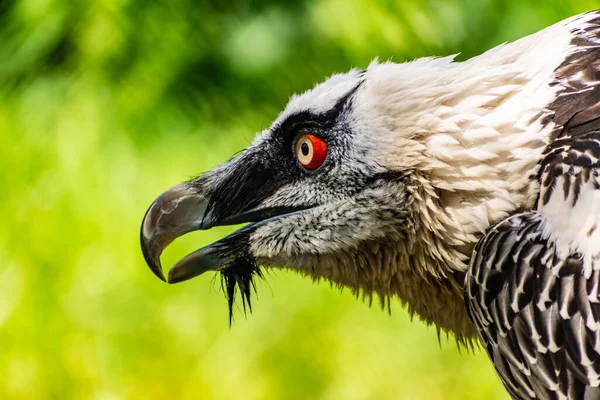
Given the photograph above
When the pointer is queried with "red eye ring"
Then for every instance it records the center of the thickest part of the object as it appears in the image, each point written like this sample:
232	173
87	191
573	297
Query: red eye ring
310	151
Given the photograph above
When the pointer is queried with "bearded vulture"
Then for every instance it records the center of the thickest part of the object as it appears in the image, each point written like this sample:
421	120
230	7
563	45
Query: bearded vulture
468	190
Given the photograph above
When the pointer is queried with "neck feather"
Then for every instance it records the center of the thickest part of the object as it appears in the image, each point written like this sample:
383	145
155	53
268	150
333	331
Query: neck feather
470	135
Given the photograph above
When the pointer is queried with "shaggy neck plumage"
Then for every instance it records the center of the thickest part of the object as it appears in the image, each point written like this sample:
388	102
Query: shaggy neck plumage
469	135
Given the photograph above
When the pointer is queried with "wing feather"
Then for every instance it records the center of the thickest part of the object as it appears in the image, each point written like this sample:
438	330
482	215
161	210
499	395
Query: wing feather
532	287
548	346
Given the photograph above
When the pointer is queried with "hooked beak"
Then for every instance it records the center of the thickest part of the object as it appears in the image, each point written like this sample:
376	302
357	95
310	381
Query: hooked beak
179	210
185	208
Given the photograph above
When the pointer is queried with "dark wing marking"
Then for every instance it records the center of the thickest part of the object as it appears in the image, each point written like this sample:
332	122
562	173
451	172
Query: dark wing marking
577	108
537	314
570	163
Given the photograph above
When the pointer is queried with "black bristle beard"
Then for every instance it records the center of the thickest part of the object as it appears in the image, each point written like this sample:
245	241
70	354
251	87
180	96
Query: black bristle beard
240	274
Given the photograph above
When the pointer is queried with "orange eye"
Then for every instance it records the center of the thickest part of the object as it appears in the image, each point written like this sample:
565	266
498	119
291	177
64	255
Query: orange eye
310	151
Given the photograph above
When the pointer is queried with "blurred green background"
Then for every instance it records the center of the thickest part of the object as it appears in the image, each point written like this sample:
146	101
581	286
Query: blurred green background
106	103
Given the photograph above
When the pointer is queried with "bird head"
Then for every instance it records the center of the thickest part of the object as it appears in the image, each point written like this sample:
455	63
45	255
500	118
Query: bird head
368	181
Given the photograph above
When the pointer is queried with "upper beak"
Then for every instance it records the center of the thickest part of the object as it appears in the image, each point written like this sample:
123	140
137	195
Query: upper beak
174	213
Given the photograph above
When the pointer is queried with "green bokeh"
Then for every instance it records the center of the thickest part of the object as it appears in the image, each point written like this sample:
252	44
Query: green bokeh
104	104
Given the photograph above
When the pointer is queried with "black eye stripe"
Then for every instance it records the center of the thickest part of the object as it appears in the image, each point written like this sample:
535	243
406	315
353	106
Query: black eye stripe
289	128
259	172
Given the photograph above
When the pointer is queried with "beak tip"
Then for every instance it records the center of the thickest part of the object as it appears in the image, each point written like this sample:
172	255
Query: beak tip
152	259
156	268
175	212
175	276
160	275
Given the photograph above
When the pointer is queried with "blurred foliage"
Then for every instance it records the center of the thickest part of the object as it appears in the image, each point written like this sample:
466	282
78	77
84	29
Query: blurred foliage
104	104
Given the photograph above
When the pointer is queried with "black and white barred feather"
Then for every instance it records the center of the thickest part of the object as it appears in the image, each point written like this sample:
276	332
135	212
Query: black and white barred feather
532	287
537	314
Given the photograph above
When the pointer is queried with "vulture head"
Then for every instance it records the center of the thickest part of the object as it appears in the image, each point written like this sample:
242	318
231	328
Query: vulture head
379	180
